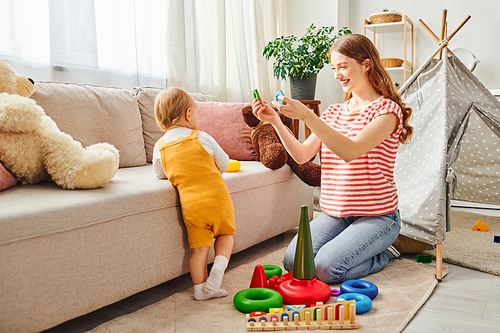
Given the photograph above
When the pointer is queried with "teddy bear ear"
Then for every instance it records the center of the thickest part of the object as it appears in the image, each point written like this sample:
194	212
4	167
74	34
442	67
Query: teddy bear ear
249	118
25	86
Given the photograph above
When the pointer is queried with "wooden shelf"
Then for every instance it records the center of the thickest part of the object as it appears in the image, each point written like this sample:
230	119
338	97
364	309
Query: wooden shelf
404	26
388	25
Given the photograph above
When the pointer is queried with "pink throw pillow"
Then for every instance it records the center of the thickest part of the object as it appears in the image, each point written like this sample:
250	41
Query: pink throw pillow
224	122
6	179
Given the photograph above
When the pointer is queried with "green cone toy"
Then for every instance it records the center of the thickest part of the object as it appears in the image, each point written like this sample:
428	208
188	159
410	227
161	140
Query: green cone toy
303	265
304	288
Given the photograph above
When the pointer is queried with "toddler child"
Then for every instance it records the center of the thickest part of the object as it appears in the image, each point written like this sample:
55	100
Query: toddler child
193	162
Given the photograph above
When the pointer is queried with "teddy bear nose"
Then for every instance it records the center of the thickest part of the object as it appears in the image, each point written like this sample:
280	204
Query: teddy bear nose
31	80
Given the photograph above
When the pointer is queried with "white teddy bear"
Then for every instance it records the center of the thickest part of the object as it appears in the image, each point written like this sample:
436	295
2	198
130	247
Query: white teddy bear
33	149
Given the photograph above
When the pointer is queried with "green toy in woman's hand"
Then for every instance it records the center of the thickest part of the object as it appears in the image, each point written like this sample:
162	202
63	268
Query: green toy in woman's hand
256	95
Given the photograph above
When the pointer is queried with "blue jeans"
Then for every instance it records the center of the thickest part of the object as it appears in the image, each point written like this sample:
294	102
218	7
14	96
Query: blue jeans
348	248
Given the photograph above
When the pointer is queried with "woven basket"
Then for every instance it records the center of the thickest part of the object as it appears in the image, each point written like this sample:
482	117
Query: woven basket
385	18
392	62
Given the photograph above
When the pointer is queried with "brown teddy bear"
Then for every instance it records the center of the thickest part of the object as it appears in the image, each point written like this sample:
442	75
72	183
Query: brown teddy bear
270	151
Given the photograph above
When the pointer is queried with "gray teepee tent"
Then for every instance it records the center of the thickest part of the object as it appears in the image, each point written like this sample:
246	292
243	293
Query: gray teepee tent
449	104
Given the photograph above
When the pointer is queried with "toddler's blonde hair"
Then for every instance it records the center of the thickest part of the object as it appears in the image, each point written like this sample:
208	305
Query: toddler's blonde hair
169	106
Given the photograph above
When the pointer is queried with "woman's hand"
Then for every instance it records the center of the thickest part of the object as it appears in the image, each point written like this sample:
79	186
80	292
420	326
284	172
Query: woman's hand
264	112
293	108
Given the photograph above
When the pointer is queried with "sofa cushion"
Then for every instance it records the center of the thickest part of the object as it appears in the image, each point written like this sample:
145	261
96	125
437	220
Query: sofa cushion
132	192
223	121
92	114
6	179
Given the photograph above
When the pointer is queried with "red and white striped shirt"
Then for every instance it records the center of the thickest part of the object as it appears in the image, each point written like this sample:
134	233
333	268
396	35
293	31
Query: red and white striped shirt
365	186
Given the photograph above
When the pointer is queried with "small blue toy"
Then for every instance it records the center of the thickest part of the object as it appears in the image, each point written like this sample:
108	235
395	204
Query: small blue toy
276	94
359	287
363	302
295	307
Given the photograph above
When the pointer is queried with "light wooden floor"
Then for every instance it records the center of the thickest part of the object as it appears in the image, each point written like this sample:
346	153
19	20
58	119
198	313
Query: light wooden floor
465	301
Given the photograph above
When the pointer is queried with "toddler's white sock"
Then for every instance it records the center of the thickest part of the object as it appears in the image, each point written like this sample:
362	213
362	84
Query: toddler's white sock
217	273
201	293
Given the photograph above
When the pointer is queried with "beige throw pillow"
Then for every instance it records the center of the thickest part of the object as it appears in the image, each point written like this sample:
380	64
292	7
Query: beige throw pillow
93	114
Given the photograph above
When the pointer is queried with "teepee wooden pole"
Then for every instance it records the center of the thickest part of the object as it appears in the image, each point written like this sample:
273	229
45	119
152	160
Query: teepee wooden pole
443	25
444	43
439	262
458	28
433	35
440	47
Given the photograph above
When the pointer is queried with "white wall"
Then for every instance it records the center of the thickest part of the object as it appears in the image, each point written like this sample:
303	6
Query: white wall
481	34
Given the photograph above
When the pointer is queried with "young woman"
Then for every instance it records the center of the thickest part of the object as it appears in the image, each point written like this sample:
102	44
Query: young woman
358	140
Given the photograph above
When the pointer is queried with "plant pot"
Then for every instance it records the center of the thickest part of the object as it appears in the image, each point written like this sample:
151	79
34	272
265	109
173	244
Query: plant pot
305	88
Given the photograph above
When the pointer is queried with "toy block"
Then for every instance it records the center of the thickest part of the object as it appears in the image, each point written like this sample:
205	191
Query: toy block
276	94
424	258
480	226
319	317
272	270
496	239
259	279
304	288
257	313
275	281
255	94
295	307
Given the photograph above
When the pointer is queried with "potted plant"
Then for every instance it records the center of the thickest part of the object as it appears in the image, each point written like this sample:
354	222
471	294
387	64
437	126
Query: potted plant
302	58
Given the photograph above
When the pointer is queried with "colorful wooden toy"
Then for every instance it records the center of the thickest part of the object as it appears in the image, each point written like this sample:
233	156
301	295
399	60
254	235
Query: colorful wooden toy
257	299
363	302
272	270
255	94
295	307
480	226
259	279
275	281
304	288
234	165
341	315
276	94
424	258
335	292
359	286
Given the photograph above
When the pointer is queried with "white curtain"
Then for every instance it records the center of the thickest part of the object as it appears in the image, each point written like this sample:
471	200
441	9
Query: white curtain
216	46
105	42
209	46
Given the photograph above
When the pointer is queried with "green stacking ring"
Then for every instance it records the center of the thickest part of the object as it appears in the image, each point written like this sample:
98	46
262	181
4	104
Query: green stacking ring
257	299
272	270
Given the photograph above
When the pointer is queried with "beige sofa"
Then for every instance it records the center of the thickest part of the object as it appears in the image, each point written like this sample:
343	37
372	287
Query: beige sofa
65	253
